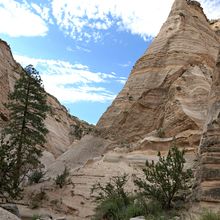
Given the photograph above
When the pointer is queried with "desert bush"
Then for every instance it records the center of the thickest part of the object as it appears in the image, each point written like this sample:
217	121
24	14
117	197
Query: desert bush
62	179
166	178
35	217
36	176
114	203
160	132
114	188
209	215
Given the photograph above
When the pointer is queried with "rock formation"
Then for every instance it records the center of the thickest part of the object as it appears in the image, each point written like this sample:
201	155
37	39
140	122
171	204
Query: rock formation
210	143
63	128
5	215
169	85
172	91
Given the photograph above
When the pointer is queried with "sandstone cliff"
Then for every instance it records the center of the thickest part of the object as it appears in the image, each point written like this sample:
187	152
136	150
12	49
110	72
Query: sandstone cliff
167	94
63	128
173	90
169	85
210	143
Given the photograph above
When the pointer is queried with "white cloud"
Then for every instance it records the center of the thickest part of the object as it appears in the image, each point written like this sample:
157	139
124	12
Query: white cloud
83	19
125	64
122	80
43	12
18	20
83	49
71	82
80	17
211	8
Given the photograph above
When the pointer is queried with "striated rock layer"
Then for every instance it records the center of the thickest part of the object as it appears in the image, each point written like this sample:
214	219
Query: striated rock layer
173	90
210	143
63	128
167	92
169	85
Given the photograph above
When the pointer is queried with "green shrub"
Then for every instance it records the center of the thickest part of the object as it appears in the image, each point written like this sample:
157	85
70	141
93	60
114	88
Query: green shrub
160	133
132	210
114	203
115	209
35	217
165	178
62	179
208	215
36	176
114	188
109	209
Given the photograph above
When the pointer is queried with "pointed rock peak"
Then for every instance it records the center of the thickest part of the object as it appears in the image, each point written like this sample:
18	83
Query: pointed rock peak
191	2
159	92
188	5
178	3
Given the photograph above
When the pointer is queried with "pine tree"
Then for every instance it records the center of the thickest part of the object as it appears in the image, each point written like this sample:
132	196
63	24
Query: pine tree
165	178
26	130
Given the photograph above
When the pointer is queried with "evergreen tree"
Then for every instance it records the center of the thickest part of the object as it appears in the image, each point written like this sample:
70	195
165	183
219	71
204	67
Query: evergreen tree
165	178
26	130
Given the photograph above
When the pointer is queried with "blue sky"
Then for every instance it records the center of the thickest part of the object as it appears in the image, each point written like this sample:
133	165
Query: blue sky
84	49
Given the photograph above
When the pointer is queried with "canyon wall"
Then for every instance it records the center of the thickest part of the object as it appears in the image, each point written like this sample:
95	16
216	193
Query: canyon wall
63	128
169	85
173	91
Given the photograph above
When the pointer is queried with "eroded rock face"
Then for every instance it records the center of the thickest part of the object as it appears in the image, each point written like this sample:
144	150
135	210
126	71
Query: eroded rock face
9	72
169	85
210	143
174	87
63	128
5	215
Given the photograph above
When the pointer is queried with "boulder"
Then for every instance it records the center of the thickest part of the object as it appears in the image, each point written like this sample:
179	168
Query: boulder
138	218
11	208
5	215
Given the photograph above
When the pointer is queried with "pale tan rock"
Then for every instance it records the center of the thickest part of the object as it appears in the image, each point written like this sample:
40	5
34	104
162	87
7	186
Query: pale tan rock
174	87
215	25
5	215
210	144
9	72
138	218
169	85
170	88
78	154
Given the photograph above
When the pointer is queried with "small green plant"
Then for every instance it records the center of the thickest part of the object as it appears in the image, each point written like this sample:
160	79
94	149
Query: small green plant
36	176
165	178
114	188
160	133
114	203
209	215
62	179
35	217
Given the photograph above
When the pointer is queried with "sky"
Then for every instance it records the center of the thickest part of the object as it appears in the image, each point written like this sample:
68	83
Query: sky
84	49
